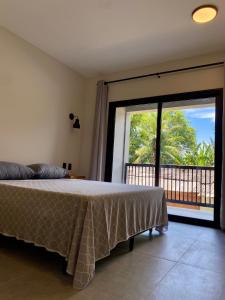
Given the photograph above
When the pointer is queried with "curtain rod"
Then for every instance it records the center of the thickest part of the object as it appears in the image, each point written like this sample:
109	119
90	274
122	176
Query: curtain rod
158	74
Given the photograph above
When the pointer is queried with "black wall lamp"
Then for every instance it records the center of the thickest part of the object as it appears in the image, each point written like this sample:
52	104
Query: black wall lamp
74	118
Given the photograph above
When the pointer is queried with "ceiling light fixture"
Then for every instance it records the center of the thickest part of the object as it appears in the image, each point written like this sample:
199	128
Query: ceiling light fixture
204	13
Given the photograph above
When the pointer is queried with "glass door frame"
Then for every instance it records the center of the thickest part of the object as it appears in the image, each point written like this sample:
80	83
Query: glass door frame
215	93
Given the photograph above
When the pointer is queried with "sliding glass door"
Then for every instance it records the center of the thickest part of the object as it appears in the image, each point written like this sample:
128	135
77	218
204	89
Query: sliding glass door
187	157
135	145
174	142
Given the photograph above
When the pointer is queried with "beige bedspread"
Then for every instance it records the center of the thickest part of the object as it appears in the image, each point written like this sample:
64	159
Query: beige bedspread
81	220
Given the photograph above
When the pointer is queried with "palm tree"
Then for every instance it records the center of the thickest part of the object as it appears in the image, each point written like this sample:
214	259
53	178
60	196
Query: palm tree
143	137
178	140
177	137
201	155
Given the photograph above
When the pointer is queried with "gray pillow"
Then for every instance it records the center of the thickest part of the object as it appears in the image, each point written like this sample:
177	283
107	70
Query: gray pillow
10	171
44	171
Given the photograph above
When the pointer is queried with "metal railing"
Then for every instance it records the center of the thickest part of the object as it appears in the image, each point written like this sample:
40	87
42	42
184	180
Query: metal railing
192	185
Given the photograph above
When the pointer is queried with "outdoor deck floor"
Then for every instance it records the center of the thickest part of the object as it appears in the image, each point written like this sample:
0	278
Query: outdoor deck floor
191	213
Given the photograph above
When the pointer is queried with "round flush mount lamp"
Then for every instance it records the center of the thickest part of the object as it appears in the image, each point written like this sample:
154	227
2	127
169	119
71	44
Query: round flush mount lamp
204	14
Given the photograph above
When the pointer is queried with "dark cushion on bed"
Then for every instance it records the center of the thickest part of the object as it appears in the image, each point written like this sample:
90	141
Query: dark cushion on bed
45	171
14	171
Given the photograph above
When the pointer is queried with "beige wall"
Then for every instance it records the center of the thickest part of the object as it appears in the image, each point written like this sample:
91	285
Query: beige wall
174	83
36	95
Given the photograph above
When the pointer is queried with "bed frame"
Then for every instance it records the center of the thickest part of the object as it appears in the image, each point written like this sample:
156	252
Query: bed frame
131	239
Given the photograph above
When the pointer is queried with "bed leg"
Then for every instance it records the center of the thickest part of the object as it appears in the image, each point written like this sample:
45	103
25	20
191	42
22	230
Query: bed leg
150	232
131	243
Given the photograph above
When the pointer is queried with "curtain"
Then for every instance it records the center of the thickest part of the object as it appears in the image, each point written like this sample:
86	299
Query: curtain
100	130
222	214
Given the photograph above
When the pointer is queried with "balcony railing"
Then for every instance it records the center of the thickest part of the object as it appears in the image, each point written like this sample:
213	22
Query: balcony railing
191	185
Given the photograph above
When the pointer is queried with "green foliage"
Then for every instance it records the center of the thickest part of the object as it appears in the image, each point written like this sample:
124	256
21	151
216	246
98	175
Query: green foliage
201	155
143	137
178	140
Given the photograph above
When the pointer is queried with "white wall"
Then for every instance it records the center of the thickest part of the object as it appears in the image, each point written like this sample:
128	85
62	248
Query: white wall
175	83
36	95
118	155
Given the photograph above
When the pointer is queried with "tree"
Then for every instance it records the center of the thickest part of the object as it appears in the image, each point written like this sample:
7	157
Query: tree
142	137
177	137
201	155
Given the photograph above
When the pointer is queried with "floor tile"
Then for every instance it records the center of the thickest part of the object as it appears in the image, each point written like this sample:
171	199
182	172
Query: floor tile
135	274
11	268
92	294
206	255
185	282
186	230
213	235
36	286
168	246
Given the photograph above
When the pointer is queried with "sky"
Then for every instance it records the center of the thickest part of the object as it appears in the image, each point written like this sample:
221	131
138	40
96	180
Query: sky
203	120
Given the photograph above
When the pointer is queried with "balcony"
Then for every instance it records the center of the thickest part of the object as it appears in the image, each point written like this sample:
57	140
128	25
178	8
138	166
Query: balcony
189	190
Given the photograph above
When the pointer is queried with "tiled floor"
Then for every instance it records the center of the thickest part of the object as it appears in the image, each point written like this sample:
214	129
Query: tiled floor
187	262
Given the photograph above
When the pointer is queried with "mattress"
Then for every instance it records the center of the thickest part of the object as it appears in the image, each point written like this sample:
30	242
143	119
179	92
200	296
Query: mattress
79	219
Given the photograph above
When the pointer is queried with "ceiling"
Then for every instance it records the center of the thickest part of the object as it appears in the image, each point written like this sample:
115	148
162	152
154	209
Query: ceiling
103	36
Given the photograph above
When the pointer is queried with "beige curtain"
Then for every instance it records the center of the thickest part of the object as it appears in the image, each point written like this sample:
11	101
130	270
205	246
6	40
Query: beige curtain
97	171
222	215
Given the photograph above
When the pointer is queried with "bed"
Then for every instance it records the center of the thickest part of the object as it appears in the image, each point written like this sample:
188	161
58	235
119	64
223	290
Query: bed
80	220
